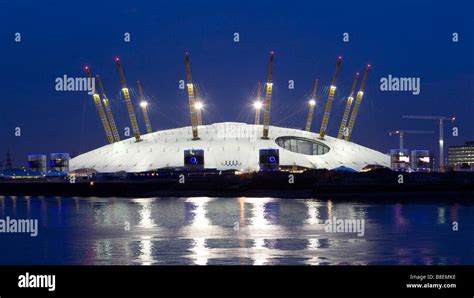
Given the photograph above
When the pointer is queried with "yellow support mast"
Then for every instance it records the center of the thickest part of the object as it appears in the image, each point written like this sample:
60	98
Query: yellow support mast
128	101
144	106
198	106
355	110
100	109
108	110
345	116
258	104
268	98
192	101
312	105
332	91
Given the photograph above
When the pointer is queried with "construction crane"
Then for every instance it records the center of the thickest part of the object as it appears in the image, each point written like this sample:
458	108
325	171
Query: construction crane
402	134
192	107
199	105
108	110
258	104
345	116
440	120
100	109
144	106
355	110
332	91
268	98
128	101
312	105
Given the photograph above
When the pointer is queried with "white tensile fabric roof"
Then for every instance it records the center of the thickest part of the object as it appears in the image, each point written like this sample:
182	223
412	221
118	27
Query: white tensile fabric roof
226	145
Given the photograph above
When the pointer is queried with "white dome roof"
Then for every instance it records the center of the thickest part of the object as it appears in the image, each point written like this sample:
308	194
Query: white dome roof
227	145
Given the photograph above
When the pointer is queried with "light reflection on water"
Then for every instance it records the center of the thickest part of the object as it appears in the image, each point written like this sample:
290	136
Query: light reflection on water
258	231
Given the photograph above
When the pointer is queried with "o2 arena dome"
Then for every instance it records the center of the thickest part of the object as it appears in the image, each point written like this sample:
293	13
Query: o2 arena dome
230	145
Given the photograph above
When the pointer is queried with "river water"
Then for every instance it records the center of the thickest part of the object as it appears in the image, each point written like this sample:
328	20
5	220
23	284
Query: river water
235	231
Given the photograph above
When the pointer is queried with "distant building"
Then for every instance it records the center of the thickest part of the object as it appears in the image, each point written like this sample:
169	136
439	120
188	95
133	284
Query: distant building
461	157
421	160
19	174
400	159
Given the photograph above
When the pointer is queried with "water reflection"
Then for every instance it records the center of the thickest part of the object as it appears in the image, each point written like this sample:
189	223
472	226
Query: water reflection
261	252
441	215
44	211
242	211
2	203
453	211
145	255
263	225
14	205
313	243
399	219
313	213
259	231
199	227
259	218
102	250
145	219
200	250
330	209
28	206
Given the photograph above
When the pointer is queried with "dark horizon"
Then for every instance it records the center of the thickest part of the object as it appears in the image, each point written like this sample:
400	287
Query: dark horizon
403	39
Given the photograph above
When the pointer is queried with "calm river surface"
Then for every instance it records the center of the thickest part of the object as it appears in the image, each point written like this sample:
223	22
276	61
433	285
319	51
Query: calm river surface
234	231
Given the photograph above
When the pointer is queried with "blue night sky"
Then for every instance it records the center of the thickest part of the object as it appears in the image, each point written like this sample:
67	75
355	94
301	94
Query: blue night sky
401	38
